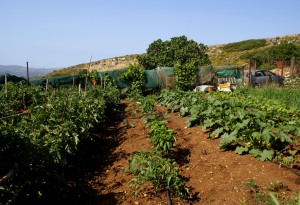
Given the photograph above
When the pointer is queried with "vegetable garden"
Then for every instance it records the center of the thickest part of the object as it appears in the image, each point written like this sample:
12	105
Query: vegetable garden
178	146
41	130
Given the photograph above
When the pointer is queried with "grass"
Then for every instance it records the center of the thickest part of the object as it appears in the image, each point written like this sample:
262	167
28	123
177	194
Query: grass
288	95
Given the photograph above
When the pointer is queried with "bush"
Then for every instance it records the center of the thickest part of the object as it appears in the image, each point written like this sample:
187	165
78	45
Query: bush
244	45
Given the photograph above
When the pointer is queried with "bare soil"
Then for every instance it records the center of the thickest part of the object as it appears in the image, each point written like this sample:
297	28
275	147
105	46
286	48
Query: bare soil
214	176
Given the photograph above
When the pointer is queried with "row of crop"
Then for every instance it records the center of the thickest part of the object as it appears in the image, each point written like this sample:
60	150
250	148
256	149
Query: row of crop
267	130
155	166
37	144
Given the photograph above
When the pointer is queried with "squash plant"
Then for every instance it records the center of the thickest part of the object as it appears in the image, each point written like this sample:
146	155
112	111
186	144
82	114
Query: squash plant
259	127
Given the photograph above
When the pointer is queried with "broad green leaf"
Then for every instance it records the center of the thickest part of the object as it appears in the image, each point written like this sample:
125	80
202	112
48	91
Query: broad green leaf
266	155
266	136
255	152
217	132
240	150
184	111
227	139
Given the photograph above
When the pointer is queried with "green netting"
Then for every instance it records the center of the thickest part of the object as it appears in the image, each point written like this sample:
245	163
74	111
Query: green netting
10	78
114	77
57	82
205	74
157	78
168	71
227	71
152	80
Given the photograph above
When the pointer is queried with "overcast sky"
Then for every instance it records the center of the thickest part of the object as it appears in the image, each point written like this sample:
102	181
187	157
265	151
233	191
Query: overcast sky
63	33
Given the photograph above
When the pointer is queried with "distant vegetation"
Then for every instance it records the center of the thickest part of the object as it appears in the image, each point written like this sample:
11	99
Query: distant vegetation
245	45
73	70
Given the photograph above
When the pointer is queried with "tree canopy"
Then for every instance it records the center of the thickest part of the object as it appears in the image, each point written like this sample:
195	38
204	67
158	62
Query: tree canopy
170	52
284	50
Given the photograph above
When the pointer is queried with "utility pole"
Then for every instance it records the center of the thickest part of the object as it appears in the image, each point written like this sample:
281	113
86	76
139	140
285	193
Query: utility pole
27	74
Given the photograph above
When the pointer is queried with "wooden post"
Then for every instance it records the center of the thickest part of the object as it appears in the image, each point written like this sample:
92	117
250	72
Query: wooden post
79	88
282	68
254	77
5	84
27	73
267	73
292	66
243	74
90	64
249	71
47	84
73	82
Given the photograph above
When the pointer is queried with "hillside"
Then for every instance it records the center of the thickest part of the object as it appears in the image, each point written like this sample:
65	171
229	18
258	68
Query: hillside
115	63
221	54
22	71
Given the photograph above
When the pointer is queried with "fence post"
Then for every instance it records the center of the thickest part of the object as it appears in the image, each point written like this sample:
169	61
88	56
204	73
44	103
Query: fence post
27	73
249	71
5	85
47	84
267	78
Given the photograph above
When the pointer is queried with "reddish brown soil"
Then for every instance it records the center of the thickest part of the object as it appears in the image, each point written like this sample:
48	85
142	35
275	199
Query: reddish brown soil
214	176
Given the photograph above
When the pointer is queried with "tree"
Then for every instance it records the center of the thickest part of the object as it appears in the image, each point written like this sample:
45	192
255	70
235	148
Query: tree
284	50
178	50
136	76
184	75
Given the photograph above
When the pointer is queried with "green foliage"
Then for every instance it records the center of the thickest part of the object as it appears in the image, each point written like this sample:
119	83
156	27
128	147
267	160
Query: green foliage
177	50
261	127
153	166
161	172
136	76
162	138
284	50
38	143
245	45
93	75
285	95
185	75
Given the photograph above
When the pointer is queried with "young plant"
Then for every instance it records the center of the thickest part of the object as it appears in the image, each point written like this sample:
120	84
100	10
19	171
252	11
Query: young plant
161	172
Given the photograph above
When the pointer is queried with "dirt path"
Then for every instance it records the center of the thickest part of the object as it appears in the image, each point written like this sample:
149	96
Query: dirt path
214	176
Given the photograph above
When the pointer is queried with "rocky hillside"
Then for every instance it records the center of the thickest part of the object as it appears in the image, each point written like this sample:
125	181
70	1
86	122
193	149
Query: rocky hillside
115	63
219	55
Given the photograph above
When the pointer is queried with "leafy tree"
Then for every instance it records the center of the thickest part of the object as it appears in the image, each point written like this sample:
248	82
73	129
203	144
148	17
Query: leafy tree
136	76
284	50
185	74
177	50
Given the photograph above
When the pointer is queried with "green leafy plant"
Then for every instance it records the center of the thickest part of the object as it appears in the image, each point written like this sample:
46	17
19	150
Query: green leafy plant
161	172
185	75
135	75
37	145
168	53
259	127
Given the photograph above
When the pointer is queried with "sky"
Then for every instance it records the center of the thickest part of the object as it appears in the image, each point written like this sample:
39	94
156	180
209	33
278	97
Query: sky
63	33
